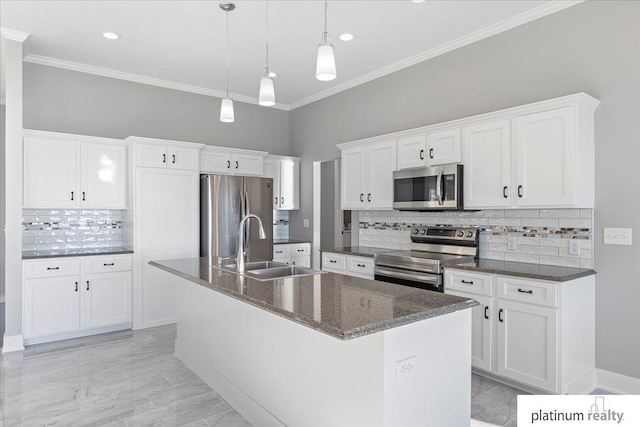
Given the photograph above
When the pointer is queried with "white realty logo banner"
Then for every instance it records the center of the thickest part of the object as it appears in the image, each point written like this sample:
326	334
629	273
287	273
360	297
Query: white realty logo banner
580	410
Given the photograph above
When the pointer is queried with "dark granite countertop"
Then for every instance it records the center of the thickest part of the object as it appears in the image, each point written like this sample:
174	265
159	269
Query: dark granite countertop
367	251
289	241
58	253
327	302
520	269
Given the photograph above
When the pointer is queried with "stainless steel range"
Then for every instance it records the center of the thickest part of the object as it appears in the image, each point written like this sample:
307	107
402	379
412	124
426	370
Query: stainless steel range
431	249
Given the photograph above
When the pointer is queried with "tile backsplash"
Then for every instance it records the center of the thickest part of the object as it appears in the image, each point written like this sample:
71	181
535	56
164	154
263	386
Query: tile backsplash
280	225
44	229
542	235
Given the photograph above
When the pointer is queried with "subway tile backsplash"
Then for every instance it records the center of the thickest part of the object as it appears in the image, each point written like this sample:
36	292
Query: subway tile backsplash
542	235
44	229
280	225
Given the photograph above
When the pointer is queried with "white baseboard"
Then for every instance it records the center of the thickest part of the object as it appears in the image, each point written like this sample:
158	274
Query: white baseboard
242	403
77	334
584	384
12	343
155	323
617	383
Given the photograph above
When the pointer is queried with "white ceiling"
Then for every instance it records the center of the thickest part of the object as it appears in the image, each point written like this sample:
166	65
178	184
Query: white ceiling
181	44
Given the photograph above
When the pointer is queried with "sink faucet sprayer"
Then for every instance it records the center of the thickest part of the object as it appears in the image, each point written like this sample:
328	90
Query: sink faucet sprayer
240	256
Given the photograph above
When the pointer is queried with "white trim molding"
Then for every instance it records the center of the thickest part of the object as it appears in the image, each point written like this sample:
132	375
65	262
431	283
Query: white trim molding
138	78
12	343
15	35
617	383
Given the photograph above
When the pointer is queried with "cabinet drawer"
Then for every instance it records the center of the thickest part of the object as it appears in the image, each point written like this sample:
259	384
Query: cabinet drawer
54	267
360	266
300	249
481	284
302	261
281	251
107	264
532	292
333	262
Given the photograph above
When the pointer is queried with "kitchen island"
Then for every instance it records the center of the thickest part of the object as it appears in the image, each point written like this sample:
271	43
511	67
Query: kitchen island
325	349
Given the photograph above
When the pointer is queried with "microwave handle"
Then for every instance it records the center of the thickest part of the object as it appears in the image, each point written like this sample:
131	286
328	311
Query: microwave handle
439	187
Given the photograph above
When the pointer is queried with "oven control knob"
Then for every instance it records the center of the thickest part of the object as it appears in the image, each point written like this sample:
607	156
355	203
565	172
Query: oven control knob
469	233
423	231
415	231
460	233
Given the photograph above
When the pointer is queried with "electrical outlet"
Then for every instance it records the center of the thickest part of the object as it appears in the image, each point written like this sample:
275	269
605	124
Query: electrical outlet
305	223
617	236
405	367
511	243
574	247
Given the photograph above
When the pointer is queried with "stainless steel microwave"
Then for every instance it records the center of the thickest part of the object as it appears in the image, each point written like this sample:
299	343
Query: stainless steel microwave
435	188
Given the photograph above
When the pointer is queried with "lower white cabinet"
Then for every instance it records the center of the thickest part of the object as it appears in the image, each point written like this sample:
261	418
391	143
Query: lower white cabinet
293	253
351	265
80	296
534	332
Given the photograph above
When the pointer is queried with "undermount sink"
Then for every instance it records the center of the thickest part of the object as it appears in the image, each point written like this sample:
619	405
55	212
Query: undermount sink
256	265
270	270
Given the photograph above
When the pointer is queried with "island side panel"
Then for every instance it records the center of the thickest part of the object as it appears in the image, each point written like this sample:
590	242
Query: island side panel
436	391
275	371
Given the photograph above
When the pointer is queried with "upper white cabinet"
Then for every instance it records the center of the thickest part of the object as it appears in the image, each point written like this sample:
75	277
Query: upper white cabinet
232	161
69	171
436	148
285	172
367	175
165	154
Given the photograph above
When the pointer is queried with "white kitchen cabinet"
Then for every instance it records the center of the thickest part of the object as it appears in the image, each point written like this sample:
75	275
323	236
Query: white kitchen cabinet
487	165
77	296
73	171
535	333
285	172
293	253
443	147
351	265
166	154
232	161
411	152
367	175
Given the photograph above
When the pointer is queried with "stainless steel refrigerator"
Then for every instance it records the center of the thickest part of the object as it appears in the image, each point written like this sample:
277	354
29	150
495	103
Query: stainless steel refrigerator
224	200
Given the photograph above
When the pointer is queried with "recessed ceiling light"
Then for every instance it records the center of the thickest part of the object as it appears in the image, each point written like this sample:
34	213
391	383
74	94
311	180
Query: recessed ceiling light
346	37
110	36
273	74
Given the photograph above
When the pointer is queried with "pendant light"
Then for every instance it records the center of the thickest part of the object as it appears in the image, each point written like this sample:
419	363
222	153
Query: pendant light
226	107
267	97
326	63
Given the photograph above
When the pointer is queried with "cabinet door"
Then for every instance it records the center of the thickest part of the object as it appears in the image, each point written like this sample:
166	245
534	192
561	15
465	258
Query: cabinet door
151	155
215	162
107	299
487	165
50	173
103	171
289	184
247	164
353	178
302	261
183	158
546	156
380	164
482	334
527	344
51	306
411	152
271	171
443	147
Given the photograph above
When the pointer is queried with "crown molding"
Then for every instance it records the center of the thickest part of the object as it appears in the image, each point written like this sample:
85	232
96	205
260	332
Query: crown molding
15	35
507	24
138	78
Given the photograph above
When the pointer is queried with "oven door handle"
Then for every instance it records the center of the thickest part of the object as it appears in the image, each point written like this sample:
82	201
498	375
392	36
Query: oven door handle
433	269
439	187
391	272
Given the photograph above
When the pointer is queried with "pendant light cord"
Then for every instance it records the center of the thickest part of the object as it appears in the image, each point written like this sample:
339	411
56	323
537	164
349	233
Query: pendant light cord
325	17
227	53
267	38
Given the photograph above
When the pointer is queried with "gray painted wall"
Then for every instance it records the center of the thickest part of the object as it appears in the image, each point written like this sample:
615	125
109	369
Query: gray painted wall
67	101
3	180
592	48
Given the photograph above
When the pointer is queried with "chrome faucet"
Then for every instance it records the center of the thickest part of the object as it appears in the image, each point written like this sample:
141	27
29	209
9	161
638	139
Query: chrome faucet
240	256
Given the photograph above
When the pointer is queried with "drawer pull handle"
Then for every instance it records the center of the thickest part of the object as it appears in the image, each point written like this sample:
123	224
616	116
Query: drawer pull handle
83	196
300	250
504	192
76	286
520	191
361	265
486	315
228	164
369	197
431	153
278	252
421	154
53	268
72	195
362	197
237	164
87	285
333	261
174	158
164	158
467	282
108	264
525	292
500	315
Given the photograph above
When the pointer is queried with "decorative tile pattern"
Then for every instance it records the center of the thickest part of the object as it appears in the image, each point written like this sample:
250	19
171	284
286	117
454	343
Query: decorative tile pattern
542	235
44	229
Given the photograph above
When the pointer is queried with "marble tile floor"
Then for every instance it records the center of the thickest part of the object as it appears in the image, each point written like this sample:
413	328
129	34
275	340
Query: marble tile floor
132	378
